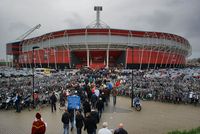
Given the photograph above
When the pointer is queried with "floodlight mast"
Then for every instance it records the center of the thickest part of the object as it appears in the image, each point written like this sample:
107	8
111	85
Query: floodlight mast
98	23
98	9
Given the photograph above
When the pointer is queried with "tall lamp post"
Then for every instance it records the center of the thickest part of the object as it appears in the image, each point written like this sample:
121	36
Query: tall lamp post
33	49
132	96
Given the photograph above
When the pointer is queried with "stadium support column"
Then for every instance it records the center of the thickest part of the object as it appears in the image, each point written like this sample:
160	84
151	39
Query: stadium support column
107	58
169	53
26	59
49	49
63	55
142	58
55	57
149	60
12	61
88	58
69	56
29	60
158	52
38	52
164	47
179	60
107	50
87	49
6	60
68	49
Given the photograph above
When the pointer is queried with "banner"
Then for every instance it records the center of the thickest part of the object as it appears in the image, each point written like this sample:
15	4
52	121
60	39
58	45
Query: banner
74	102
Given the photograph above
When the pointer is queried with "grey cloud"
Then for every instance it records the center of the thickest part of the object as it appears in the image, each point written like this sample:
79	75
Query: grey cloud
173	3
18	27
192	24
158	20
74	21
174	16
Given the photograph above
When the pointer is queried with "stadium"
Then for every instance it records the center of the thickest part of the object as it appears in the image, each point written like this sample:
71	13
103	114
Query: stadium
98	46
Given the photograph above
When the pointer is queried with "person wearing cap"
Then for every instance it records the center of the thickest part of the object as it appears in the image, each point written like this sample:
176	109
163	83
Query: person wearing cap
105	129
120	129
38	127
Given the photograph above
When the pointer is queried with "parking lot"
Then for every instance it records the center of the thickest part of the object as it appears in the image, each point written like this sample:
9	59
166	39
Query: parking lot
155	118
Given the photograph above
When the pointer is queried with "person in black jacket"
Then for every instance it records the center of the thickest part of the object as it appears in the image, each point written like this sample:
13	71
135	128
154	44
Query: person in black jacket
90	124
65	120
71	112
53	100
94	99
17	103
120	129
86	107
95	115
100	106
79	122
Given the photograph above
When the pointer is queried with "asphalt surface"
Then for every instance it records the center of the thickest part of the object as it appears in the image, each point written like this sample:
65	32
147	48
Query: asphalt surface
155	118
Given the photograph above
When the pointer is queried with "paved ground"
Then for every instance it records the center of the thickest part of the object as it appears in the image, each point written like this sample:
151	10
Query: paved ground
155	118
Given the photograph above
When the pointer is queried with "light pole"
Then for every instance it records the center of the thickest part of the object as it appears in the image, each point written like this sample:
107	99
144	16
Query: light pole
33	49
132	81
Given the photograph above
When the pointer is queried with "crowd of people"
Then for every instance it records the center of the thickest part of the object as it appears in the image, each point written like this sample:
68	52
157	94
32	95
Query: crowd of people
94	88
94	96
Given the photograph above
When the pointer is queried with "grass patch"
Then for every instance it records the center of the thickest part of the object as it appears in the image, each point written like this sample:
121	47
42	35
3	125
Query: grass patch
192	131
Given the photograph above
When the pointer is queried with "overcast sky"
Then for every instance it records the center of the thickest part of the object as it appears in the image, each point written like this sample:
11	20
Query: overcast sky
181	17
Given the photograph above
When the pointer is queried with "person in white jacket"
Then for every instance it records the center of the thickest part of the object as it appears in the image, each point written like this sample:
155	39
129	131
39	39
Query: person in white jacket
105	129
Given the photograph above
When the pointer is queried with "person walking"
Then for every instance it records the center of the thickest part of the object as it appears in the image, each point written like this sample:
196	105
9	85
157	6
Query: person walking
114	94
71	119
79	122
17	102
65	120
90	124
53	100
94	100
38	126
106	94
120	129
105	129
100	106
95	115
86	107
62	99
102	96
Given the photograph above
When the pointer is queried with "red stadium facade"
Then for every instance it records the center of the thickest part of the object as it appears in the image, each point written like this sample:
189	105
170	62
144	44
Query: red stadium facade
97	48
100	46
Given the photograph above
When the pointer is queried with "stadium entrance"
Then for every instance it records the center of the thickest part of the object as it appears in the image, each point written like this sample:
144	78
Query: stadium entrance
98	58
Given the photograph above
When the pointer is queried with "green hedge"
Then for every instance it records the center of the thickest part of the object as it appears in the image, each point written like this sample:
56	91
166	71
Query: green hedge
192	131
2	63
